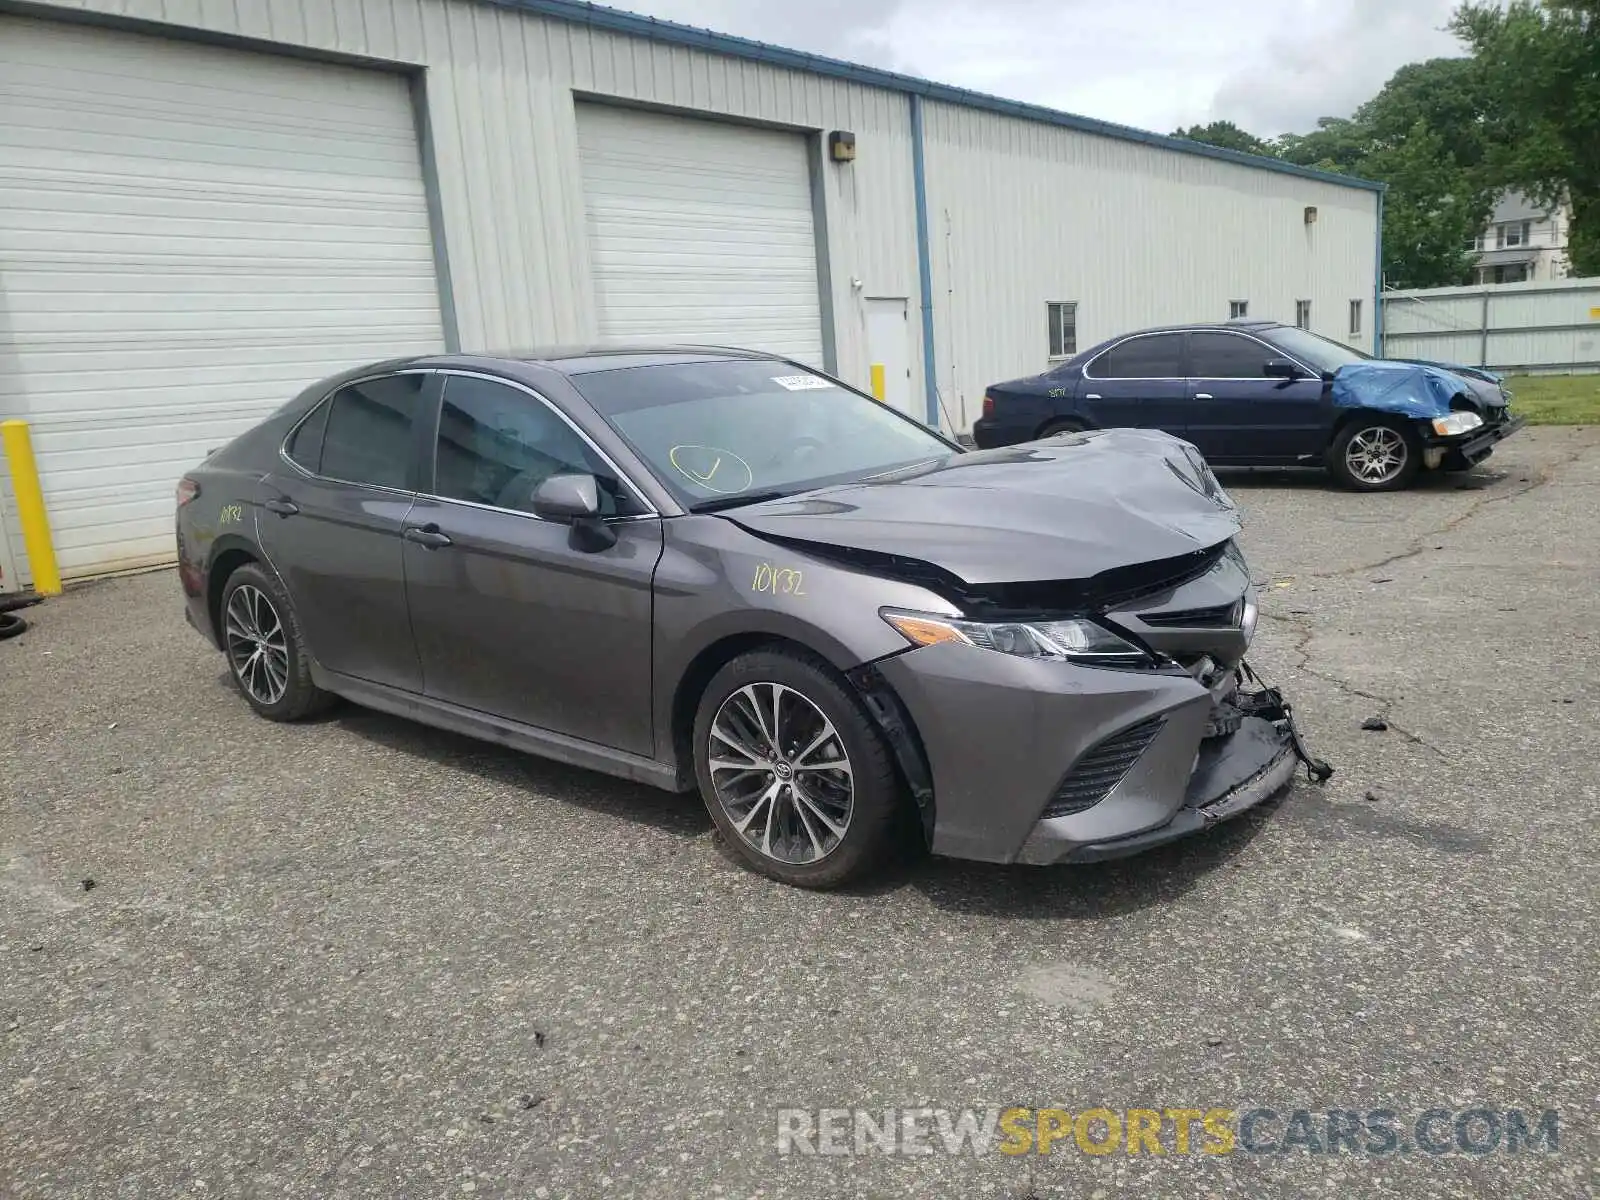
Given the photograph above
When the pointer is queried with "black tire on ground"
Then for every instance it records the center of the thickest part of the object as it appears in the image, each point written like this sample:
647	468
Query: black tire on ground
1062	425
877	803
1388	445
299	697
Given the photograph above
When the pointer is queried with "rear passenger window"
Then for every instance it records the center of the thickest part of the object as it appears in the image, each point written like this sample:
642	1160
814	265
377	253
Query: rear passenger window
305	443
369	431
1227	356
1157	357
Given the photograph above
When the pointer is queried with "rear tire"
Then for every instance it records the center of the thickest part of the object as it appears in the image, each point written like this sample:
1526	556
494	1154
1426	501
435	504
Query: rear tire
265	649
810	798
1064	425
1376	454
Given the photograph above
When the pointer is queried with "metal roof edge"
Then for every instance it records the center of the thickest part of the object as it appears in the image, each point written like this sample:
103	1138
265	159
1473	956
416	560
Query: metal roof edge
581	12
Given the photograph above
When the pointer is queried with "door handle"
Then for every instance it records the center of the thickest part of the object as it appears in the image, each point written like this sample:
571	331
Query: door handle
1202	395
1092	396
282	506
427	536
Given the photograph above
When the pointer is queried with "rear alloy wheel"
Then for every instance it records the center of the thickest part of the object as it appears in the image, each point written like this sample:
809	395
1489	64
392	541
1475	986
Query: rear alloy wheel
793	772
266	653
1375	455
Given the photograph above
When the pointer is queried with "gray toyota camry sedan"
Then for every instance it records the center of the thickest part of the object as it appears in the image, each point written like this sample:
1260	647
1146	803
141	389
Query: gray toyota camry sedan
723	571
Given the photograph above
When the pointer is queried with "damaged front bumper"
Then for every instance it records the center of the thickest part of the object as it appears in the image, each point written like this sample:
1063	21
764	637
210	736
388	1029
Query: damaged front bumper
1053	762
1233	773
1468	449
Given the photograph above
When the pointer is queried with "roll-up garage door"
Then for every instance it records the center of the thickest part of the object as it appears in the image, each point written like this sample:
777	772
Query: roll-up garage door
700	231
188	236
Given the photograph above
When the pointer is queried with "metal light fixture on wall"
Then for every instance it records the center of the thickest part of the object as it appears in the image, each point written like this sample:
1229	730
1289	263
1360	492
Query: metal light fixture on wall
1311	214
842	146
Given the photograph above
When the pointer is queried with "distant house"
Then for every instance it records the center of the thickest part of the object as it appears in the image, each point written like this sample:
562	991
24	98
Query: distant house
1523	241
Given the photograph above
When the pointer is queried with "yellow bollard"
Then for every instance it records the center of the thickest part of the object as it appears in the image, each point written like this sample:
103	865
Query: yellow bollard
877	382
30	508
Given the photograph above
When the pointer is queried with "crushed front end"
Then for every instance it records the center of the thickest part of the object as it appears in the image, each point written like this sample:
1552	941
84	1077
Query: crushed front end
1040	758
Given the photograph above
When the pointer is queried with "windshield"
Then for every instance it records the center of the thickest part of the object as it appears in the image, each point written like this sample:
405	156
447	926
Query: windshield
715	432
1314	350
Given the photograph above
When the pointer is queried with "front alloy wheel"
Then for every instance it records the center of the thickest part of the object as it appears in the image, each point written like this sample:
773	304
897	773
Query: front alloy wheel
1376	456
781	774
798	778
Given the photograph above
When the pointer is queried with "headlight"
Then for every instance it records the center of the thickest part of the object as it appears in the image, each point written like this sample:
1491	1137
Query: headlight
1075	639
1250	615
1456	422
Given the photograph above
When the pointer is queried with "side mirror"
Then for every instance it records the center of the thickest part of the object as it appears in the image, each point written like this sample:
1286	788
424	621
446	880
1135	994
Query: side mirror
1281	368
575	500
567	498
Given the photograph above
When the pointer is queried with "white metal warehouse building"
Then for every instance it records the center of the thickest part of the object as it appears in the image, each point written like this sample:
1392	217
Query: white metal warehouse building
206	205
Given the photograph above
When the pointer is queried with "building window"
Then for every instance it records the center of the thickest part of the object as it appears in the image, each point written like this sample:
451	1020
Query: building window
1504	273
1302	313
1063	328
1355	318
1512	234
1238	309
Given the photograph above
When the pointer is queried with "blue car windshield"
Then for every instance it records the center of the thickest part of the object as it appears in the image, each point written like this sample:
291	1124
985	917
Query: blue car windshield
716	431
1314	350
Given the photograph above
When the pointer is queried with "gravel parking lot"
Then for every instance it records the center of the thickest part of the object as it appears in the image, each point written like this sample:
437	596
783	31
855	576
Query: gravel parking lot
363	958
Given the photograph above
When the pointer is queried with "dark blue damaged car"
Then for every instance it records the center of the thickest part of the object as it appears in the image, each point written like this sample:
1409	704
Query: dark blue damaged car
1262	394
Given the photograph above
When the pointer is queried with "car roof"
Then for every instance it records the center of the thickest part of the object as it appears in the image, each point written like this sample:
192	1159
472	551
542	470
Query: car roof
583	359
1248	324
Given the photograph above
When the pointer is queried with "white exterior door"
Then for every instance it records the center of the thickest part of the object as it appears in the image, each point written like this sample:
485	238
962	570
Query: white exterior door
189	235
889	347
700	232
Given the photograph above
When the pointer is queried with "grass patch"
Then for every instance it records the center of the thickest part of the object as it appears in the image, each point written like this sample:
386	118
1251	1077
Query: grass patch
1556	399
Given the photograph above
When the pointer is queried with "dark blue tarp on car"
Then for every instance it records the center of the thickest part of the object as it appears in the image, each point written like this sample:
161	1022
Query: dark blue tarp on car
1410	389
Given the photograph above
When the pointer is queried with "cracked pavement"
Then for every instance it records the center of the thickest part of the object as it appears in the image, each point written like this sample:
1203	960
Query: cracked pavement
362	958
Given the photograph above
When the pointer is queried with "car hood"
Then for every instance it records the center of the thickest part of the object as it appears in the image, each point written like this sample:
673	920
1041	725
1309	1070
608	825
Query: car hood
1410	387
1069	507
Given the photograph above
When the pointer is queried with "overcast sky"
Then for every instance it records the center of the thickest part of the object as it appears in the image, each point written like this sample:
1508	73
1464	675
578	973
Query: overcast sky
1271	66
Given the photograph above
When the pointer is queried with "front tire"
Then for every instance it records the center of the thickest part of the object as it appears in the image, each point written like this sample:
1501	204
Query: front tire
797	778
266	651
1376	454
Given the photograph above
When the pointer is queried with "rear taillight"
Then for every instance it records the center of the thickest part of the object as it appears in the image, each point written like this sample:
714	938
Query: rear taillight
188	489
988	405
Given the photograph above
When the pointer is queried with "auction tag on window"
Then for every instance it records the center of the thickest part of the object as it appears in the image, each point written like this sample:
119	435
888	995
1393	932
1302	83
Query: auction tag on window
801	383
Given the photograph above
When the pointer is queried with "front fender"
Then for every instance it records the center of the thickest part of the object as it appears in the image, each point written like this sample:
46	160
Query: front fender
717	582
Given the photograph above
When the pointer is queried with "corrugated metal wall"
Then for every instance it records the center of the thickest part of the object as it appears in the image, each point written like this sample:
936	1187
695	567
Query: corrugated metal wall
1544	326
1022	214
500	93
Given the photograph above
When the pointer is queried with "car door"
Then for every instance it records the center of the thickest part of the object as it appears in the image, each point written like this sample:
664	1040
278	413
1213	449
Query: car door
511	616
1240	414
1139	382
331	521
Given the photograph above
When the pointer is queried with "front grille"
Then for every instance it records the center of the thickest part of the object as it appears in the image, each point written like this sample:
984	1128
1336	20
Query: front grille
1222	616
1102	768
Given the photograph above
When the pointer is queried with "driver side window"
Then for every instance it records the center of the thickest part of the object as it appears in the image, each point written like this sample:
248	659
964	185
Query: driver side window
497	444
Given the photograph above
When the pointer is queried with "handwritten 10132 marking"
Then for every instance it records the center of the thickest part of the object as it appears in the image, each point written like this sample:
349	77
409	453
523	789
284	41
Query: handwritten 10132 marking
780	581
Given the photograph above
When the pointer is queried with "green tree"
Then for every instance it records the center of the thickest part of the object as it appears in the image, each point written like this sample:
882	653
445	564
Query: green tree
1226	135
1432	212
1336	144
1541	61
